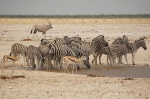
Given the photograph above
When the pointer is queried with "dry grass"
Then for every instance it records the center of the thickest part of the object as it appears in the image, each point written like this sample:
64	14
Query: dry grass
75	21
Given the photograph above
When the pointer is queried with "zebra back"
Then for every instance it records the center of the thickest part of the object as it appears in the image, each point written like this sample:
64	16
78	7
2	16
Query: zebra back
18	48
98	43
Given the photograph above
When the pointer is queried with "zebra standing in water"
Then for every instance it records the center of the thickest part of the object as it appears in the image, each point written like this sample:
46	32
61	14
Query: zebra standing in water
133	47
97	44
19	49
118	50
41	28
32	54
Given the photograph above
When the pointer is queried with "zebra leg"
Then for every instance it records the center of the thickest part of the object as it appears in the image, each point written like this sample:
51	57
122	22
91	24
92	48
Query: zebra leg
50	62
114	58
100	55
33	66
23	61
120	60
133	57
109	59
126	59
95	55
27	63
60	61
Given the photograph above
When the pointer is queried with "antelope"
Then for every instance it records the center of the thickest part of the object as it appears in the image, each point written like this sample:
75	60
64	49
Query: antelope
41	28
69	60
5	59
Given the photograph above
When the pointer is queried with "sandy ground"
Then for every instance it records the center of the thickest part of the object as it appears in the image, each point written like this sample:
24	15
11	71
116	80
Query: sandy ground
50	85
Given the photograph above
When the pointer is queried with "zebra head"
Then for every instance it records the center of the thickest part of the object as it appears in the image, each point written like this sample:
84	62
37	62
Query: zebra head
141	43
86	61
44	41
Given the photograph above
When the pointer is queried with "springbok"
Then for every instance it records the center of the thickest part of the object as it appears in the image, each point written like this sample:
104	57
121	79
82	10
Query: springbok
69	60
5	59
41	28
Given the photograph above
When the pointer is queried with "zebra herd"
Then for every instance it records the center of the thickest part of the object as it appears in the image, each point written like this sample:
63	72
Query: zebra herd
50	53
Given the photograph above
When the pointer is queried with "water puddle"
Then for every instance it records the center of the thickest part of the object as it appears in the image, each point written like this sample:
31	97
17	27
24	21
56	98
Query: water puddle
121	71
109	71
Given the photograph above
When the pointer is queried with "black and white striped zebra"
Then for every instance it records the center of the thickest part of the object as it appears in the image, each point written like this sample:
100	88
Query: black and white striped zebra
19	49
106	50
97	44
58	51
118	50
34	55
133	47
86	47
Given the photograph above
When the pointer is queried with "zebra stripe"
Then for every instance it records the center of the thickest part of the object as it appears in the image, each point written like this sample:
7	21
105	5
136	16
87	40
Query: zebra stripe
32	54
19	49
133	47
120	49
97	44
58	51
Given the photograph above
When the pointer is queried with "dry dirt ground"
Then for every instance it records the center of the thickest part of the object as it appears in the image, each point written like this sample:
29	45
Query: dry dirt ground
51	85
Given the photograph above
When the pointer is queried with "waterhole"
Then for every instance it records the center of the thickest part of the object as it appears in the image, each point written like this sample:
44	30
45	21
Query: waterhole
109	71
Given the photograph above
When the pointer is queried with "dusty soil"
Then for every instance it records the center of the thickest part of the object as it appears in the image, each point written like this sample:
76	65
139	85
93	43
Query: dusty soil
50	85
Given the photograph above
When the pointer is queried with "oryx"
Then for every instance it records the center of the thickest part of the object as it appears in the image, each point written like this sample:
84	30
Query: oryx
41	28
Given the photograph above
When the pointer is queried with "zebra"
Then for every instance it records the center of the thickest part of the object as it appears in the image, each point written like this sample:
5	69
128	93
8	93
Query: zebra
86	47
133	47
19	49
32	54
118	50
58	51
96	46
41	28
106	50
79	52
45	51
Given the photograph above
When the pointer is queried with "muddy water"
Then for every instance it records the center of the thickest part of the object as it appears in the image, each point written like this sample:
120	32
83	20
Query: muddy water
121	71
110	71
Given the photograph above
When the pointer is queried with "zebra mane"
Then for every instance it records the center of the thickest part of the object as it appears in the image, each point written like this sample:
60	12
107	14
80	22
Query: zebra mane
141	39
